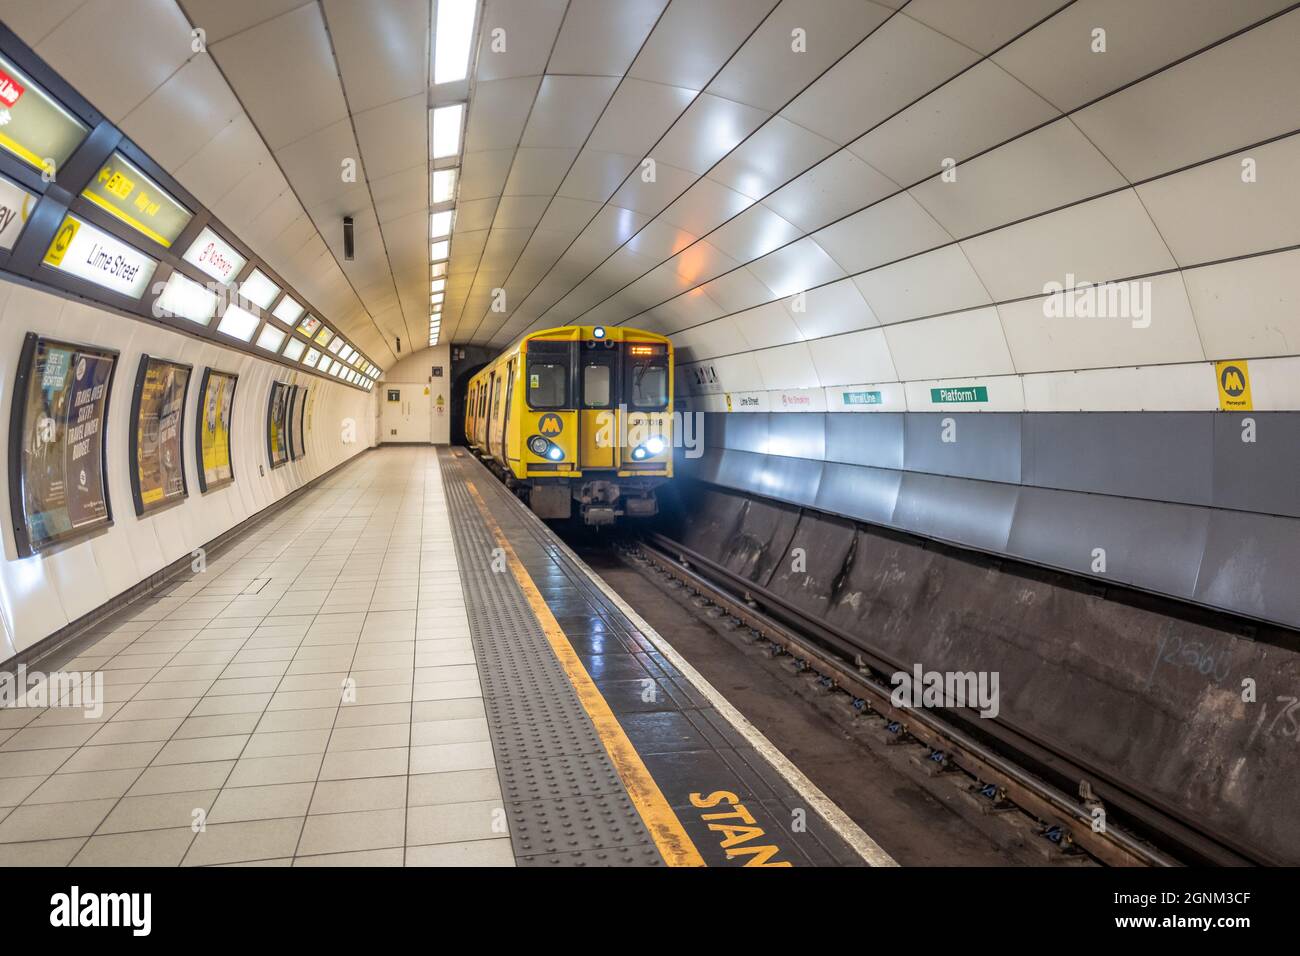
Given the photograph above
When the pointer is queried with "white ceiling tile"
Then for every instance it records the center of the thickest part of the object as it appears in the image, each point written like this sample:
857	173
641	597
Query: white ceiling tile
768	72
1195	110
382	48
599	38
1247	307
755	232
1208	212
775	154
830	309
529	30
483	175
889	230
394	136
285	75
938	281
694	40
853	359
566	110
705	206
638	115
950	346
115	54
1048	168
900	62
834	188
953	123
1056	58
498	113
982	27
538	172
796	267
222	18
1097	241
596	176
180	117
709	129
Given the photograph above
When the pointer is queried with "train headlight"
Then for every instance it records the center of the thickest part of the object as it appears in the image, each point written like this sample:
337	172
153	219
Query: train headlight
543	447
648	449
598	333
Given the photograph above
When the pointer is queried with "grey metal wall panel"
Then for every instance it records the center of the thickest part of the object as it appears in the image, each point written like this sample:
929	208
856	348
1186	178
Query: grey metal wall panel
972	513
790	479
1163	456
865	438
986	446
712	430
1250	566
741	431
1148	544
1263	475
797	435
855	491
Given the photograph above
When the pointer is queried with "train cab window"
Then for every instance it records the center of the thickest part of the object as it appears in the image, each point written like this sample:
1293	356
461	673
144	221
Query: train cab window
548	383
648	377
596	392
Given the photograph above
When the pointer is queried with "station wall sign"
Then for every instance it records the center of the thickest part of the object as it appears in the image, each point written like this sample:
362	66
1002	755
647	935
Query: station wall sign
15	205
125	192
33	126
89	253
216	257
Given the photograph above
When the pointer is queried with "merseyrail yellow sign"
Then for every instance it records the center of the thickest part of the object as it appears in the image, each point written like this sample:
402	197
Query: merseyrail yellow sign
1234	386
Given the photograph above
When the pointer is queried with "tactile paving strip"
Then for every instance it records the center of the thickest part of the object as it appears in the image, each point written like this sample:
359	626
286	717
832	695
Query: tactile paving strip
565	803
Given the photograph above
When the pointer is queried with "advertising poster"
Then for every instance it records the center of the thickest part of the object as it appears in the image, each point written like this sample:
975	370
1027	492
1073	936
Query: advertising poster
277	421
57	484
157	443
297	438
215	404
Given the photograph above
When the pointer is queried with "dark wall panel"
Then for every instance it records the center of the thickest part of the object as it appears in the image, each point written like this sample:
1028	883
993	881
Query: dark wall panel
1146	544
1263	475
800	435
867	494
984	446
1250	565
873	438
1163	456
976	514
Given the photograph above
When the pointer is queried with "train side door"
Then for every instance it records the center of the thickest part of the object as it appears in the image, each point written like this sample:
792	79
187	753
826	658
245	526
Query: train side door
506	430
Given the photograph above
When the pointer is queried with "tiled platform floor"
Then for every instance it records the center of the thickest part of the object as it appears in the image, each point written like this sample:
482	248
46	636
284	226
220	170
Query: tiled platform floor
228	703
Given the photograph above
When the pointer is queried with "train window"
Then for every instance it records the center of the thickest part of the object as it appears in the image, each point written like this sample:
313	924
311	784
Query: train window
548	383
650	386
595	386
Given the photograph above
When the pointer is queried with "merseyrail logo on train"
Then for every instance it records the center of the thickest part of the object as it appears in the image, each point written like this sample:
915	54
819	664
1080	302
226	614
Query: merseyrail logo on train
550	424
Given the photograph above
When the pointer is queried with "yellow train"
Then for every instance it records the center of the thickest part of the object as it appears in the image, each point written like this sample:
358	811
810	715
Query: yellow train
578	416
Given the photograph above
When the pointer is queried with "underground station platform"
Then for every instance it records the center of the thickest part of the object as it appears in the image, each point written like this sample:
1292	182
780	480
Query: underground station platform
341	686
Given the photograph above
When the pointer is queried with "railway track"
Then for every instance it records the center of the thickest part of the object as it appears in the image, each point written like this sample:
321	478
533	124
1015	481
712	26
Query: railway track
1115	823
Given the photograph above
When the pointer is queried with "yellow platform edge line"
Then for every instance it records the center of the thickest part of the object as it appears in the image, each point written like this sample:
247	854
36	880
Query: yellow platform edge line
662	823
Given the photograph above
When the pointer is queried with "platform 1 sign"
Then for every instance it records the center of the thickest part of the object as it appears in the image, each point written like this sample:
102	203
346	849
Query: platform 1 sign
89	253
965	394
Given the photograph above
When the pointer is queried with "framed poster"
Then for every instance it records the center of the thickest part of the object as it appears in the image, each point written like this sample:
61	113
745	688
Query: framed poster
277	425
157	432
297	413
212	432
58	490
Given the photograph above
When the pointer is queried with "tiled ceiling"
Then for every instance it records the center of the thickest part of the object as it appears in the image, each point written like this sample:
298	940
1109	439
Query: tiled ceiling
689	166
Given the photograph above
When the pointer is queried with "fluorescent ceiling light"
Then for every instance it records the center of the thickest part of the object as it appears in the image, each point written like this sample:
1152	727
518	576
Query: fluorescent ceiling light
439	250
438	269
288	311
271	338
440	224
259	289
444	138
184	297
238	322
293	351
444	185
312	357
452	38
438	285
437	297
